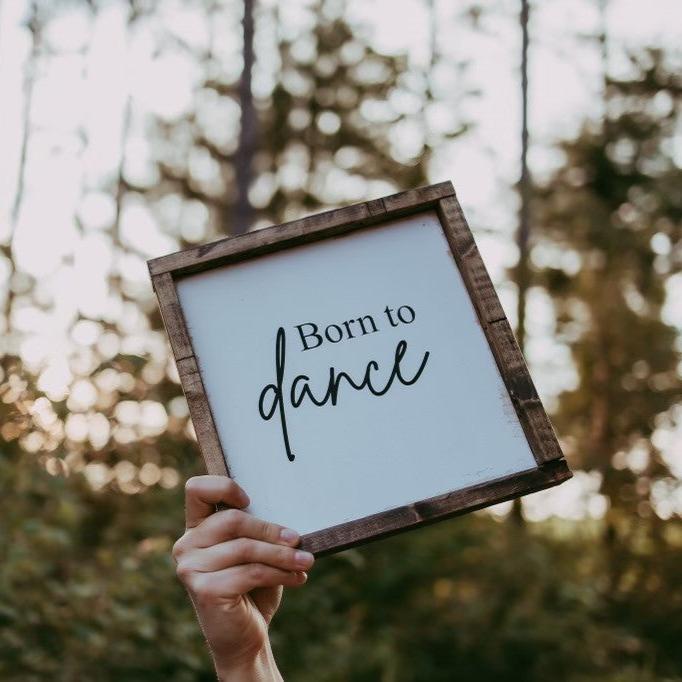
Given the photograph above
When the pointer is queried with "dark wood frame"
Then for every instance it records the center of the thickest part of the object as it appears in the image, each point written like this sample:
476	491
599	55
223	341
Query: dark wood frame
551	467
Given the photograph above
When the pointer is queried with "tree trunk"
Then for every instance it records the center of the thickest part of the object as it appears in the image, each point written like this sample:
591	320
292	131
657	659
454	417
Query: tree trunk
523	231
243	214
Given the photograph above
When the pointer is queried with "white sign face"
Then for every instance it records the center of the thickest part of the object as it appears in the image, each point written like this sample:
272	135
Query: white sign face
351	376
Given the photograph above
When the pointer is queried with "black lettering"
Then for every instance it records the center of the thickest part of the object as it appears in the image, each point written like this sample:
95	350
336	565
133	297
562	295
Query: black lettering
301	383
306	336
400	351
305	391
338	330
362	319
280	354
388	312
348	331
404	321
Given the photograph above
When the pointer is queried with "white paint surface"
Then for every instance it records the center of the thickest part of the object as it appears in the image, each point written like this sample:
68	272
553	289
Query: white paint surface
453	428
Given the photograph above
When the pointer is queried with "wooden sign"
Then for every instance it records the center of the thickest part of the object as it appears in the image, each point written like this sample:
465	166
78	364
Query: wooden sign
354	370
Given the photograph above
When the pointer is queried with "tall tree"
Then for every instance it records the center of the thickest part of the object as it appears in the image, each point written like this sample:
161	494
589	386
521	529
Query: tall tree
524	186
337	119
612	223
521	272
243	161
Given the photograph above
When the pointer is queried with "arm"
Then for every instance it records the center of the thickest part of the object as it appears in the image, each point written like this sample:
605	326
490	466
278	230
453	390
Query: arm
233	566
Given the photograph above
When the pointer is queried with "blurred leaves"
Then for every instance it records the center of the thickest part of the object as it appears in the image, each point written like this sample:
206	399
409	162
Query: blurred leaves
94	446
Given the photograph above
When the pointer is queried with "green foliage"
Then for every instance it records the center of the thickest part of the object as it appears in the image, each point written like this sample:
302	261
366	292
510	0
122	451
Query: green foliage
468	600
87	583
613	212
339	124
87	586
88	592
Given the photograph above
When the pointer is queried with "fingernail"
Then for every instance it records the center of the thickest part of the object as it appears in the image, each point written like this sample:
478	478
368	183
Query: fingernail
303	559
288	535
303	576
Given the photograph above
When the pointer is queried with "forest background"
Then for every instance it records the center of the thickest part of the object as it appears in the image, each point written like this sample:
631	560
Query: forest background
132	128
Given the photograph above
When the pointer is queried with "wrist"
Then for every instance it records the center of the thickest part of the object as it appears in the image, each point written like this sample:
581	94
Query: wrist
262	668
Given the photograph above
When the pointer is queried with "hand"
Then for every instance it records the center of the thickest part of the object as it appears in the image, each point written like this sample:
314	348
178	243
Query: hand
233	566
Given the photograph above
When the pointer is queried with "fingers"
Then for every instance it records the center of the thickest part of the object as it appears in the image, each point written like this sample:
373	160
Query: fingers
203	493
233	523
237	580
229	552
245	551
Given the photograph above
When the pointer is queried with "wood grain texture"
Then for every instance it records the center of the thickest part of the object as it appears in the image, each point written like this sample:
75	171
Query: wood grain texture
434	509
415	198
534	420
188	370
508	356
312	228
202	419
172	316
469	260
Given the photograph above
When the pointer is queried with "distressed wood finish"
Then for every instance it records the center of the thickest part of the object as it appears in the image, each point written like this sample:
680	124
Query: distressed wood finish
312	228
172	316
188	371
552	468
532	415
434	509
469	260
510	361
202	419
